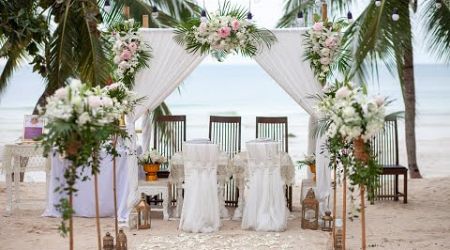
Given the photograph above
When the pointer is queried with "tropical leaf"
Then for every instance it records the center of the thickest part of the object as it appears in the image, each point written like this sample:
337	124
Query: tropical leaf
436	22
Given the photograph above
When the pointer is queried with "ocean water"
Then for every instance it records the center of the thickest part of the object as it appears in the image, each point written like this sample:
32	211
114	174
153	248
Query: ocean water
248	91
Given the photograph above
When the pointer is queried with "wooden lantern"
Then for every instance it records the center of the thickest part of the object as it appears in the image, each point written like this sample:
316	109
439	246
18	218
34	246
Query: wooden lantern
108	242
327	221
310	211
339	236
121	241
143	210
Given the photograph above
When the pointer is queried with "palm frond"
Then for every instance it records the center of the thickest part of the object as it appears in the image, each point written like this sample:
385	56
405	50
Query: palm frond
436	22
12	64
290	10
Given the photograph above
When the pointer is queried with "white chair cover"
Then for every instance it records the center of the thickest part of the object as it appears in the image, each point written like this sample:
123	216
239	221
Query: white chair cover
265	204
201	213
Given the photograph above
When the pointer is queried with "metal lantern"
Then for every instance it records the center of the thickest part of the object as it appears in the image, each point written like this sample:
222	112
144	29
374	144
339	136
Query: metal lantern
108	242
121	241
310	211
327	221
143	210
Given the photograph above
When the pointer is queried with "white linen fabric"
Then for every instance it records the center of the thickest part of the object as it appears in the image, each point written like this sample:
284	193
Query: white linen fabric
201	213
176	176
169	66
284	62
265	205
84	199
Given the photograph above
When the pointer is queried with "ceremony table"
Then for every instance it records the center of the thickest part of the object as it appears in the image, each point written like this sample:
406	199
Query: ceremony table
261	174
177	176
84	201
12	163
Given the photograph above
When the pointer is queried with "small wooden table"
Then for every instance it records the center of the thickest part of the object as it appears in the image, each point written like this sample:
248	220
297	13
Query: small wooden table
160	186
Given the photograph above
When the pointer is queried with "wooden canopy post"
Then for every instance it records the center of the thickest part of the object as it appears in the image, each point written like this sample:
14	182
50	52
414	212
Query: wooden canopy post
324	11
126	11
144	21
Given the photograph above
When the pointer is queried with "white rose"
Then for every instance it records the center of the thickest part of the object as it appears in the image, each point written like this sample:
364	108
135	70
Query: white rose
61	93
325	52
348	111
83	119
113	86
117	59
379	100
94	102
343	92
124	65
75	84
107	102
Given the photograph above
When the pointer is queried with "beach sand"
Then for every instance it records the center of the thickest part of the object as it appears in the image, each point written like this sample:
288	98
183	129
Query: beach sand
423	223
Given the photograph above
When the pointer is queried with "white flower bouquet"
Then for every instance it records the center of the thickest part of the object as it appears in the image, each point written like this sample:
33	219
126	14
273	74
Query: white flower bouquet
351	114
151	157
223	32
322	46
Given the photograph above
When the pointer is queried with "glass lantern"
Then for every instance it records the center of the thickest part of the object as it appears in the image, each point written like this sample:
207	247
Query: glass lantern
310	211
143	210
327	222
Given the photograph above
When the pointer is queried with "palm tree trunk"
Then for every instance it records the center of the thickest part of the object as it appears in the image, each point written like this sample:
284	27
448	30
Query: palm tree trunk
409	97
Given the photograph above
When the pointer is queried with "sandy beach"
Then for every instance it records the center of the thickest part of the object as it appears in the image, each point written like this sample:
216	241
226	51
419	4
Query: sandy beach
423	223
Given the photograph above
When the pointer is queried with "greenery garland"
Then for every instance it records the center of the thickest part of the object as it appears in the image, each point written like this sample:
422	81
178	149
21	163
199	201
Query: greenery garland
223	32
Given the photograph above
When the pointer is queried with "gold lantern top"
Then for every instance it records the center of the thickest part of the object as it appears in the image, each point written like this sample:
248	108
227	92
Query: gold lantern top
310	211
143	210
121	240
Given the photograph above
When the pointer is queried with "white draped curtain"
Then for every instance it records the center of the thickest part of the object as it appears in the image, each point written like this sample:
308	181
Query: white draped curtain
171	64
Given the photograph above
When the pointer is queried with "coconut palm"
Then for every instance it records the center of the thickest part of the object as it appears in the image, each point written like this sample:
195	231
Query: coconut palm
375	36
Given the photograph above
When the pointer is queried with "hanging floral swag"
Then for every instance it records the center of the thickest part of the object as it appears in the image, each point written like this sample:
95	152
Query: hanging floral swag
130	54
80	120
323	46
223	32
350	120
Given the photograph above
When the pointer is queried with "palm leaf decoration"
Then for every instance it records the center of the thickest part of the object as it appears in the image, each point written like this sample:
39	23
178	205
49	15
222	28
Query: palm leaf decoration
245	38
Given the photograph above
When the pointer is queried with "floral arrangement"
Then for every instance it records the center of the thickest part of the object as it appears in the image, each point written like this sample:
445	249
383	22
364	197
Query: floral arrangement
351	114
81	120
223	32
129	53
152	157
307	161
322	46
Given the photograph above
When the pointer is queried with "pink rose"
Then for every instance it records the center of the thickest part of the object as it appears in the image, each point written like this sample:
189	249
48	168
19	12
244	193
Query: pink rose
235	24
132	47
94	102
331	42
126	55
224	32
61	93
318	26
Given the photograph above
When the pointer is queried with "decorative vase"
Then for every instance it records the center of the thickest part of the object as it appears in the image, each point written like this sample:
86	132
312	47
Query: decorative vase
151	171
359	147
312	168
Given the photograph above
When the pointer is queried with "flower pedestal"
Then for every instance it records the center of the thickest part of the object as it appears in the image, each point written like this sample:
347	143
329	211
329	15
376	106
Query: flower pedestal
361	154
151	171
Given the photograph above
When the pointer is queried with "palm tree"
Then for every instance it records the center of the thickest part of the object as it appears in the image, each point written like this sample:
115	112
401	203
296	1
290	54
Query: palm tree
374	36
63	39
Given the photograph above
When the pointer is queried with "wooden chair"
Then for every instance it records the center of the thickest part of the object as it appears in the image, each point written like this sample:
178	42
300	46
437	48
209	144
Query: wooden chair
226	132
275	128
385	148
168	137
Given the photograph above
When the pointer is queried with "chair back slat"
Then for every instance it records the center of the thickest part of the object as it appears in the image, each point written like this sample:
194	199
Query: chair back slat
226	132
275	128
169	135
384	145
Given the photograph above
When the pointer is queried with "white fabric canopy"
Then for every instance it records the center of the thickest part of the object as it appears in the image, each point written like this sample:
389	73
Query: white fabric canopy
171	64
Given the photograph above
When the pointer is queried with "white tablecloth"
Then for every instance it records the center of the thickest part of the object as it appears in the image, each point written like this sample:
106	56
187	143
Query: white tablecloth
84	200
